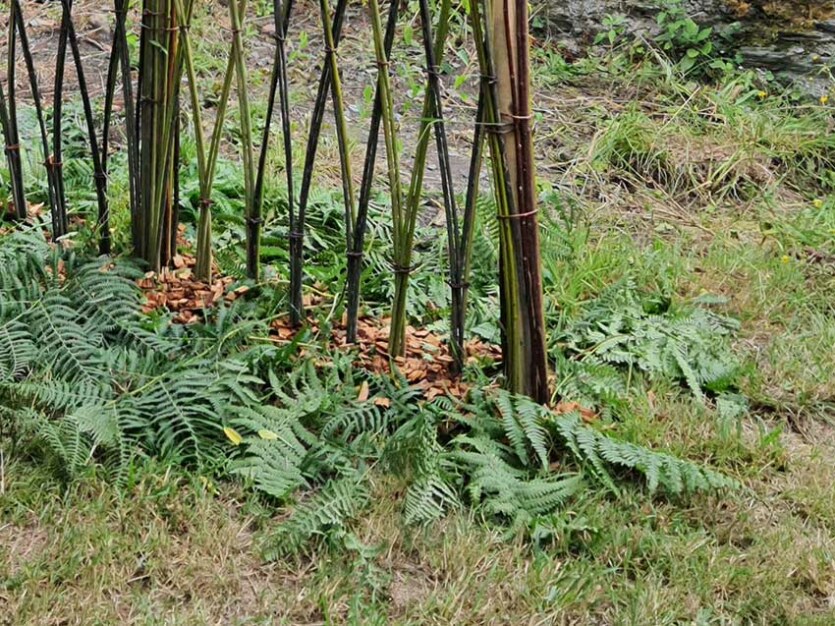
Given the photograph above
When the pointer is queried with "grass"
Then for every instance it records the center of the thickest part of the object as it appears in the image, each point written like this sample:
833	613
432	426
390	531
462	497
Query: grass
686	189
165	549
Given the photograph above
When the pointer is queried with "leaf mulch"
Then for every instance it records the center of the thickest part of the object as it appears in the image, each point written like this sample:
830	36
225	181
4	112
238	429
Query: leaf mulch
427	364
178	291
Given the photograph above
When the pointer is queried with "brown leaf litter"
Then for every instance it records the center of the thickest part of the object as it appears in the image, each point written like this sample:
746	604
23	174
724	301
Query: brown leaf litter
178	291
427	363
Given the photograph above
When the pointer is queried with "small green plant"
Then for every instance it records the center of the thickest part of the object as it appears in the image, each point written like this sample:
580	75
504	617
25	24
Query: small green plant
683	39
614	29
622	335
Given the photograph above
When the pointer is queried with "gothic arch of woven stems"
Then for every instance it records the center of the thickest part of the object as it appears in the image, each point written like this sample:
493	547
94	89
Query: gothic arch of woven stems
166	76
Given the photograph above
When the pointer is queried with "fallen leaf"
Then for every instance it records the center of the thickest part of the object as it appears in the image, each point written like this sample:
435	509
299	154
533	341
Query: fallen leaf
233	435
362	396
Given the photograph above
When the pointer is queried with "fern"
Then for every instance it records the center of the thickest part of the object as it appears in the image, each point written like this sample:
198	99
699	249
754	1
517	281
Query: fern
322	516
96	382
275	453
102	381
17	350
492	461
414	452
672	474
620	330
522	427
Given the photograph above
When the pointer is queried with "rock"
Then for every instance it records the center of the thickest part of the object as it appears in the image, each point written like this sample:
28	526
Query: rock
790	39
268	29
97	26
826	26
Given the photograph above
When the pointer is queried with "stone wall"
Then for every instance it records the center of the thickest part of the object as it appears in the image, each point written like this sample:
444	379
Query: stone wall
794	39
583	17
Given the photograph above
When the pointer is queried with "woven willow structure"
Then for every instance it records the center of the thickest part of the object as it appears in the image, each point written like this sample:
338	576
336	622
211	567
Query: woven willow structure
165	91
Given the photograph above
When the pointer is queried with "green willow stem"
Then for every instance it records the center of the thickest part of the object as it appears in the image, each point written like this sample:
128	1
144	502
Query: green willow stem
340	123
160	72
253	219
167	81
396	344
203	267
404	239
503	195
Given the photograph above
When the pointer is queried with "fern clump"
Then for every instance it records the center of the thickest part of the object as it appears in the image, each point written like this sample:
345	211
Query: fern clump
517	461
95	380
322	517
92	381
620	331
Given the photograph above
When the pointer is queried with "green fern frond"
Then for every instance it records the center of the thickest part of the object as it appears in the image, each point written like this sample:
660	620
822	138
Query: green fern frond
17	349
325	515
672	474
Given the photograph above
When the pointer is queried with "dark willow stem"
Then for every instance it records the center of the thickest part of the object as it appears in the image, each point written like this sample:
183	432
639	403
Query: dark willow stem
10	130
132	138
355	252
98	169
529	244
11	150
297	236
465	251
56	163
456	280
119	61
36	97
109	96
278	87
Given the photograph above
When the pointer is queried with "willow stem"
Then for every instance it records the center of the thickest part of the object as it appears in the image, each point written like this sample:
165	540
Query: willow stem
278	88
253	219
355	252
316	119
405	226
36	97
98	170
